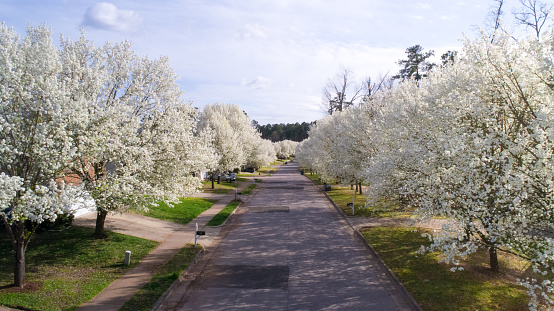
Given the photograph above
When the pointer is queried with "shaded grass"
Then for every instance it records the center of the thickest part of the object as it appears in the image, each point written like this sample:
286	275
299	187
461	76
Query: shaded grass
222	188
65	269
343	195
314	177
223	214
181	213
248	189
434	286
267	170
146	297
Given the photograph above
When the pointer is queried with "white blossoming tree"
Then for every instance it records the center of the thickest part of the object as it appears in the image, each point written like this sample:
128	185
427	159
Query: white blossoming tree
135	140
285	148
233	137
262	154
476	148
34	143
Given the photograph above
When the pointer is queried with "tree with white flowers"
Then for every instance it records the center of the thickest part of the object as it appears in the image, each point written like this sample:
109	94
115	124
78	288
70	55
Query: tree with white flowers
476	148
233	136
262	154
35	147
135	142
285	148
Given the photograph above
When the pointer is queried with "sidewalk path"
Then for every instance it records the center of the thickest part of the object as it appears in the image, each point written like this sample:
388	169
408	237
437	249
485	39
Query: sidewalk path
172	236
287	249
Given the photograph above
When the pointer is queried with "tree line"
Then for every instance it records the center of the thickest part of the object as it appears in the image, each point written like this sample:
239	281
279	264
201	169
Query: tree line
279	132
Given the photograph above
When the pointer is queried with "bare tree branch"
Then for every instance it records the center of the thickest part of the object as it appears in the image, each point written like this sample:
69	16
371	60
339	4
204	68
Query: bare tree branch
533	14
336	92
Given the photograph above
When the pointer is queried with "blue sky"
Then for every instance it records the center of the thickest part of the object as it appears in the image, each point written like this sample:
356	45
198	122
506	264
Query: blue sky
272	58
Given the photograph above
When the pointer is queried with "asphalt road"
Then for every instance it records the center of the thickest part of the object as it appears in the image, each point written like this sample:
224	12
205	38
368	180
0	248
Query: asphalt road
287	249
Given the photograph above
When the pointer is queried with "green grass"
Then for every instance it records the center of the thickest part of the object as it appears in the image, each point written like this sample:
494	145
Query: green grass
146	297
343	195
65	269
248	189
434	286
314	177
181	213
223	214
222	188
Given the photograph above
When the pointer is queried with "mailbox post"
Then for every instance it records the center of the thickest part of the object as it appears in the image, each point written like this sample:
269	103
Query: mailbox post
197	233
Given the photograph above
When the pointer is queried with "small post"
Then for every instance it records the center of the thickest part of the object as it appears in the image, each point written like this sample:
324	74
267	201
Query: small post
195	235
235	194
353	206
127	260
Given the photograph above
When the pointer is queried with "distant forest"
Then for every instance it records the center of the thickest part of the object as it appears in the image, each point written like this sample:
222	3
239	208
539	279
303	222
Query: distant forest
278	132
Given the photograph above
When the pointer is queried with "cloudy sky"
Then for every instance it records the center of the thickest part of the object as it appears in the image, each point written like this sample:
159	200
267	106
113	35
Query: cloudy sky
271	57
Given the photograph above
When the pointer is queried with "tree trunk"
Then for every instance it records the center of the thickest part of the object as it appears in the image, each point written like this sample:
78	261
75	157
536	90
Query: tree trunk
19	253
493	256
213	185
219	179
360	187
100	221
352	187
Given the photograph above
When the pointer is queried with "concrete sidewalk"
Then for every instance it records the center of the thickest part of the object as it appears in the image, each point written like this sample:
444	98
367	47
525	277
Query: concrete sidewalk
287	249
172	236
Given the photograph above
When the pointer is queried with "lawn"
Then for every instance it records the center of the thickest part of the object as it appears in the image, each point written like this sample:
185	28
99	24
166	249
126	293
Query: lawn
67	268
222	188
248	189
343	195
313	177
146	297
223	214
435	287
181	213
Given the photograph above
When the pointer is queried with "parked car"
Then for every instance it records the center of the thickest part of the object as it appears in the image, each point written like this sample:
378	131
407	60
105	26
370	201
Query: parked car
249	170
231	177
222	175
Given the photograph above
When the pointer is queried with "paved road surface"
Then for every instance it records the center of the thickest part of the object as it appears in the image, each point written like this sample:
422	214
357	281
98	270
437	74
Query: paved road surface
287	249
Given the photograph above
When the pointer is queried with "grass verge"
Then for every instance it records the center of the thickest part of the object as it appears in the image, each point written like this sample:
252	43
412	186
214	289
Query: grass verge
146	297
181	213
434	286
67	268
222	188
343	195
218	219
314	177
248	189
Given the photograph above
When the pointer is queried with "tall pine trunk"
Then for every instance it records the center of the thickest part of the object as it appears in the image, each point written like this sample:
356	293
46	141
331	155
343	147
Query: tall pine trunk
100	221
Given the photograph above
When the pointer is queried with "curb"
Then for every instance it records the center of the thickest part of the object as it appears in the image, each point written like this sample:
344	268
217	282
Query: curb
181	278
198	264
413	303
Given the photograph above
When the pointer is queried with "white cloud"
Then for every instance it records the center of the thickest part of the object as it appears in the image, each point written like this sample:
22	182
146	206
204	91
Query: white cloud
258	83
423	6
253	31
104	15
